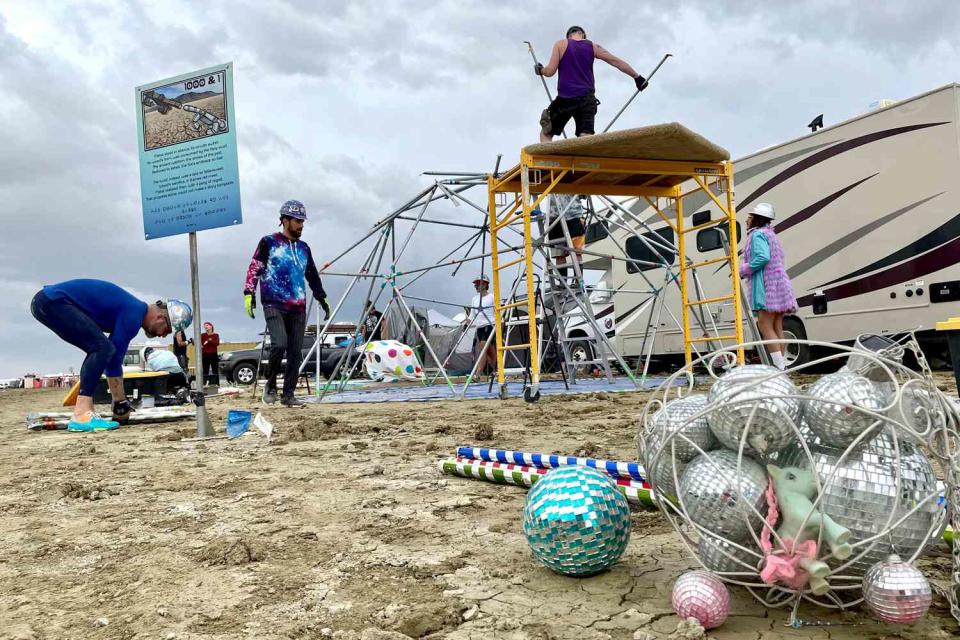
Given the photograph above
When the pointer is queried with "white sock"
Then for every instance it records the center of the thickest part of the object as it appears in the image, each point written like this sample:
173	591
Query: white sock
778	361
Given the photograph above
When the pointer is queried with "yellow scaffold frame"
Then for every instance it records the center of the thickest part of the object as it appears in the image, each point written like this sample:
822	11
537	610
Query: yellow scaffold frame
540	175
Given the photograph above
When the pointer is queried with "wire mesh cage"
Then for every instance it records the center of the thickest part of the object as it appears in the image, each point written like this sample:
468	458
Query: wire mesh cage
796	486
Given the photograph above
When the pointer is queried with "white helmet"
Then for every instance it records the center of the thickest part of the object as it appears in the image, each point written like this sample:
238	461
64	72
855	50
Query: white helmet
764	210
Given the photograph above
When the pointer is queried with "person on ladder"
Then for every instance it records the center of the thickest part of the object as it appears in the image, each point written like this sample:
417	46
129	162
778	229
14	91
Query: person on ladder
280	264
576	97
481	317
571	210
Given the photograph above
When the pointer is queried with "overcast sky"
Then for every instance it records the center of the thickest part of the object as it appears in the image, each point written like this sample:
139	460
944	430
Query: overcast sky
343	104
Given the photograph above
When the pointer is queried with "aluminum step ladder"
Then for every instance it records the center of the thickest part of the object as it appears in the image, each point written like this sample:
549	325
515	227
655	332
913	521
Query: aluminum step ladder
570	301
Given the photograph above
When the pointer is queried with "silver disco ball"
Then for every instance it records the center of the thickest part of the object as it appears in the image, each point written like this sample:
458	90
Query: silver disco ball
670	439
862	492
720	556
664	481
744	390
723	501
831	408
676	418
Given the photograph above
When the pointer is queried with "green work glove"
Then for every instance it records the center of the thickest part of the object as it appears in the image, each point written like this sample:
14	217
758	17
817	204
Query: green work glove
250	303
326	308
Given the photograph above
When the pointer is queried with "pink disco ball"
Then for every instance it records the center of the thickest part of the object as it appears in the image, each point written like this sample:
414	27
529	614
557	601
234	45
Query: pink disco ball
702	596
896	591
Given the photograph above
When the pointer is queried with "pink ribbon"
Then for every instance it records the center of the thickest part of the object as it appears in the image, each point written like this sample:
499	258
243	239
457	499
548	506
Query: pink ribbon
783	565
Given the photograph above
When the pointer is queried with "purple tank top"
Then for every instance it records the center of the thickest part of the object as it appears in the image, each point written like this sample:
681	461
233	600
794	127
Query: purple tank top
576	70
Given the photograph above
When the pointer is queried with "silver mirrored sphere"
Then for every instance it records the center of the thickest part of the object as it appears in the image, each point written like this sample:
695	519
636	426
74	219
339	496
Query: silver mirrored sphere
832	408
863	492
720	556
756	389
675	418
718	497
670	438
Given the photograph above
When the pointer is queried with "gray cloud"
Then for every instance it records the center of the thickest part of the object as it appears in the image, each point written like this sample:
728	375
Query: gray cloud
343	105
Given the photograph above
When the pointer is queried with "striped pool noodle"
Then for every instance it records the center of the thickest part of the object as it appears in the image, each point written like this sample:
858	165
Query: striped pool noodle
612	468
525	476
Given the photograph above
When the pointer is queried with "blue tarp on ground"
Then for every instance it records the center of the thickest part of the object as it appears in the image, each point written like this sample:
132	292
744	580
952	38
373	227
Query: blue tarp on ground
482	391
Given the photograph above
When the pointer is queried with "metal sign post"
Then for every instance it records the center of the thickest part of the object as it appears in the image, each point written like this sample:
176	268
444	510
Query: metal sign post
204	428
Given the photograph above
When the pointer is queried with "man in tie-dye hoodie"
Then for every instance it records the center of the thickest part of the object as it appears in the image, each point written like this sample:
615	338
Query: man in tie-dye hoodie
283	265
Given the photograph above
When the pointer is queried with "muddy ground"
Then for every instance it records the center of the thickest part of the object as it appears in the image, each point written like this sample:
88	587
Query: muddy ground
341	527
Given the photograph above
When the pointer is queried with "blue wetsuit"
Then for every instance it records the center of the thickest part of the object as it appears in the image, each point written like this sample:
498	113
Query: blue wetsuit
80	312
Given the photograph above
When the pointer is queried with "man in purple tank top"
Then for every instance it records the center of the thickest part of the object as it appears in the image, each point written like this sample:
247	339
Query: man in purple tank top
576	94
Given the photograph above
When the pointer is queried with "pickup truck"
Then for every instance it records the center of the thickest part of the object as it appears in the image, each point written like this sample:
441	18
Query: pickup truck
240	367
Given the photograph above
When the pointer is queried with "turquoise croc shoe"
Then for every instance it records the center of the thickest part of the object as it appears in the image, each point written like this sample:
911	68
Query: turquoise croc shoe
96	423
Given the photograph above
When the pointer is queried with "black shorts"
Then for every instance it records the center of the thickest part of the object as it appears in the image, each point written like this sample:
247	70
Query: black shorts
583	110
575	227
484	332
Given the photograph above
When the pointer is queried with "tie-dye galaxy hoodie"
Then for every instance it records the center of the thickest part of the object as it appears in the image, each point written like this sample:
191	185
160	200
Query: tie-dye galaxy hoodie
283	268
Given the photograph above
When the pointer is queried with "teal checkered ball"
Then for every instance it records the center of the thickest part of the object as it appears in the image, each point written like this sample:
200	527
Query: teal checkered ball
576	521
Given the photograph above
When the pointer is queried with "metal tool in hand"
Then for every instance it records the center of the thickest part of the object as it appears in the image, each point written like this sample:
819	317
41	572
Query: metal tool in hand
637	92
536	63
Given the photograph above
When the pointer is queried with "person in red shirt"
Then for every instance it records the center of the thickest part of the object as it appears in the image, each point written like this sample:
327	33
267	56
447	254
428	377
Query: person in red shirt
209	342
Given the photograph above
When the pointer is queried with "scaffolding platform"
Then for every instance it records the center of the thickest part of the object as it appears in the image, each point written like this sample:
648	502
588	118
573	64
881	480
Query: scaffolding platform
666	161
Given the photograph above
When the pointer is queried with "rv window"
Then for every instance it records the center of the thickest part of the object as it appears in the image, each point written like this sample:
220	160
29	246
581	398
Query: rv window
653	252
710	239
597	231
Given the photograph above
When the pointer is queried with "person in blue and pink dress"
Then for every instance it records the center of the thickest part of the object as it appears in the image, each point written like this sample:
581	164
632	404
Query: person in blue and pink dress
769	292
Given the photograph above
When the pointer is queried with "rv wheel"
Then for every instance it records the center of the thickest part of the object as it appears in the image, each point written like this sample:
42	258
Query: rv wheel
581	351
796	355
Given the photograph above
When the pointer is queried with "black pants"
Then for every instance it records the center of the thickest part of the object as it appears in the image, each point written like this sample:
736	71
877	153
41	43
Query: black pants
286	338
211	368
73	325
176	381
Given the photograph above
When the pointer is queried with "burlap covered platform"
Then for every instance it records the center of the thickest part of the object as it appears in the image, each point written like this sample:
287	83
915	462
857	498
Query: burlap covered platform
670	141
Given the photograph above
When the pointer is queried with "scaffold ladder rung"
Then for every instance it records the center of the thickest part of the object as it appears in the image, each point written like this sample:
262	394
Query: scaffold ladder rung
694	303
713	338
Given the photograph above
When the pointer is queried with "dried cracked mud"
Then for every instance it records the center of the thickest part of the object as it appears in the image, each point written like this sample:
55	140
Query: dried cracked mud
341	527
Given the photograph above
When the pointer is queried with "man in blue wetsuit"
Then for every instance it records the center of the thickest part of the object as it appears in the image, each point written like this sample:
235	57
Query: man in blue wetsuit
283	265
81	312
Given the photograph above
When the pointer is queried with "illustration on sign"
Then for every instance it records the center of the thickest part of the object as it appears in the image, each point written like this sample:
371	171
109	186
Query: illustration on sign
189	176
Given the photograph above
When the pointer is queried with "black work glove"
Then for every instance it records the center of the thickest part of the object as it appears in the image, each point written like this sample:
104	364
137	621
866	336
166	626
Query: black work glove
326	308
641	83
122	410
538	69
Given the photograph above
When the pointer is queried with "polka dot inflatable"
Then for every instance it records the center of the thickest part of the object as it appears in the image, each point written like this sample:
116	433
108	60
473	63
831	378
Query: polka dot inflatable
389	361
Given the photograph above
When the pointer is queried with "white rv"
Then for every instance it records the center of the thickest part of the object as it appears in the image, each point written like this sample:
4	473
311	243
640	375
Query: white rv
868	212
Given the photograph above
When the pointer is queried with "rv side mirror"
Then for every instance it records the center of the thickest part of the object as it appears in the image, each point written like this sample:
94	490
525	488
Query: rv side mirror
819	303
